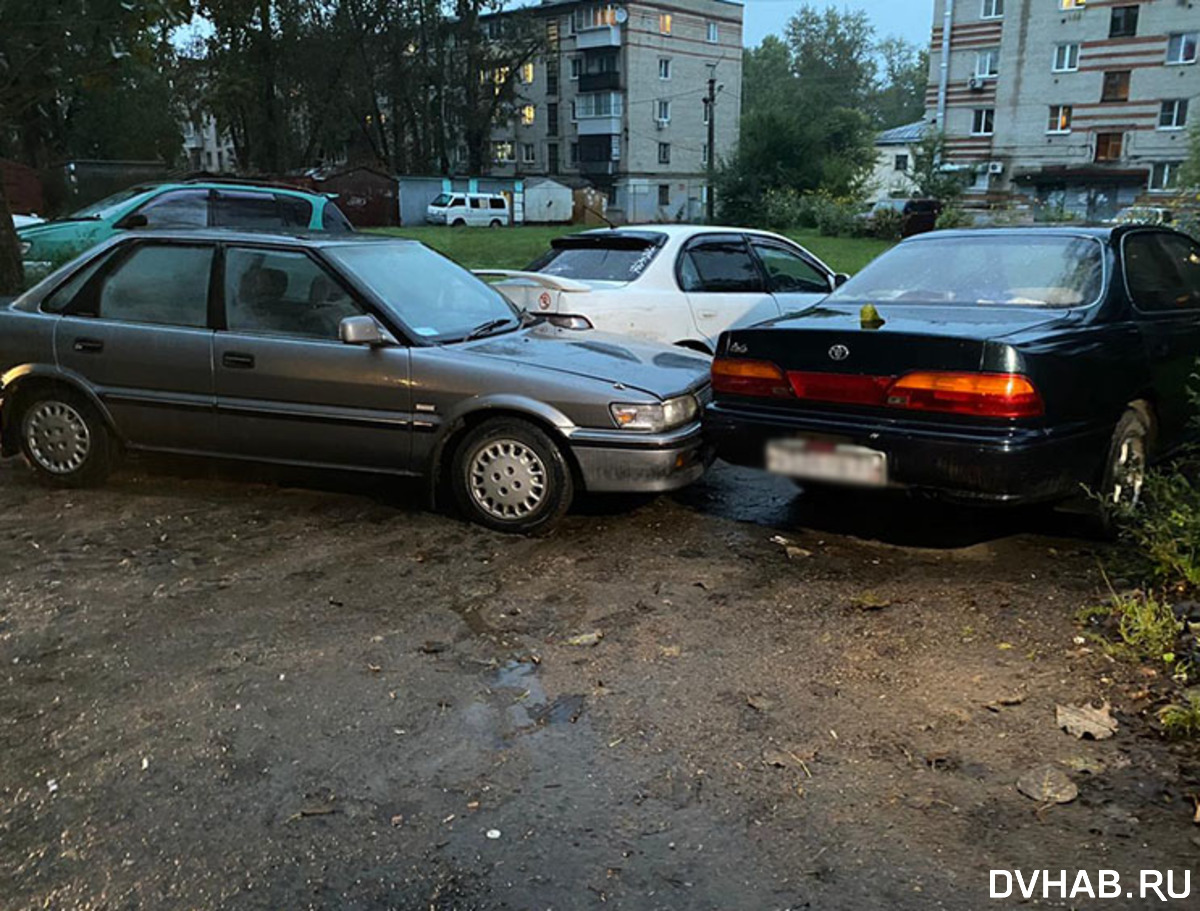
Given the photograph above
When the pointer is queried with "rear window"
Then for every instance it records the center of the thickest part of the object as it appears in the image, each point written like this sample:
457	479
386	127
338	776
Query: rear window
261	211
334	222
1021	270
613	258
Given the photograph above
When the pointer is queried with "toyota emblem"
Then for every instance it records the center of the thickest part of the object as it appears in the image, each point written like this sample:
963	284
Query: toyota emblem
839	352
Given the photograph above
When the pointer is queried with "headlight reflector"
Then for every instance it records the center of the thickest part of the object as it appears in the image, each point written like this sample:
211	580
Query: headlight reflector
656	418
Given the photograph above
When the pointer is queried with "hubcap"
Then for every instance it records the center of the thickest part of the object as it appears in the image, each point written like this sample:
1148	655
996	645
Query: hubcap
507	479
1129	472
57	437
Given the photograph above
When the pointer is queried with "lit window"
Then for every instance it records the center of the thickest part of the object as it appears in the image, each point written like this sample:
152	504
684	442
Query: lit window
664	23
664	153
1109	146
1174	114
1181	47
1072	4
528	113
664	68
502	152
1066	58
987	63
714	35
527	73
984	122
992	9
1060	118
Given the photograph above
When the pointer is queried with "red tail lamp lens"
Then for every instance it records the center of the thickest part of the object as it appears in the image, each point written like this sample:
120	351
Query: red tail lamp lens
733	376
841	388
993	395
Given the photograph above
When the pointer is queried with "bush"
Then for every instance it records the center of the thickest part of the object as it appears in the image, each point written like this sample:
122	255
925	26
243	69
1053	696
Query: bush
954	217
886	224
833	217
1164	531
783	208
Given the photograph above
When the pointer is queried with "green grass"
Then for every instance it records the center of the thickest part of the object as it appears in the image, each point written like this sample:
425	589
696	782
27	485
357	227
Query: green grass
515	248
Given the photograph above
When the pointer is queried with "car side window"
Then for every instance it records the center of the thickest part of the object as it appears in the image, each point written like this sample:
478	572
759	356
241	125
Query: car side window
333	221
261	211
497	203
719	265
1163	272
476	202
283	292
787	271
161	284
179	209
61	297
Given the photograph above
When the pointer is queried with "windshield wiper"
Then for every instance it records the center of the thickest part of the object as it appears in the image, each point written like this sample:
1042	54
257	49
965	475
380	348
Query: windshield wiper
490	326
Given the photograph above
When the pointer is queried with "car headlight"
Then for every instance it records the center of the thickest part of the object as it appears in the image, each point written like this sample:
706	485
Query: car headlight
26	246
658	417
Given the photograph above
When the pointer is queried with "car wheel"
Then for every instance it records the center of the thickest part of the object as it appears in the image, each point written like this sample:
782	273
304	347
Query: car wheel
495	223
510	476
64	438
458	223
1125	467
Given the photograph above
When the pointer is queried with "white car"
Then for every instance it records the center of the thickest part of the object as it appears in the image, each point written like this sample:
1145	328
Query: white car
476	210
675	284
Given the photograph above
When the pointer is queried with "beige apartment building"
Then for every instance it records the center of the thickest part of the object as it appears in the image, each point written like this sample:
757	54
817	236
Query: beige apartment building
1079	104
619	100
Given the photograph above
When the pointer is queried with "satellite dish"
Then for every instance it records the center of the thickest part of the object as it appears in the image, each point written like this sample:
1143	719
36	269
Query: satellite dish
622	15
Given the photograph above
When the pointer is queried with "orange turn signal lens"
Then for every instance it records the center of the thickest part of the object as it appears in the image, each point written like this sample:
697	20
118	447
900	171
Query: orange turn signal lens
995	395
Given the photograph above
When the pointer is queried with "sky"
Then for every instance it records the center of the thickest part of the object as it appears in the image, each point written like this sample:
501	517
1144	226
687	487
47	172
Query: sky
911	19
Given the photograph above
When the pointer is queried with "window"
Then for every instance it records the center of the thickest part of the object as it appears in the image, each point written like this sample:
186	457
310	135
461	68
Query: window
260	211
599	104
992	9
499	202
552	119
664	194
704	153
476	202
594	17
574	112
664	68
184	209
1181	47
283	292
616	256
1071	4
333	221
573	154
713	33
664	153
787	271
900	163
983	122
664	111
502	151
987	63
1173	115
160	284
552	77
1066	58
62	296
576	67
707	111
1060	118
1165	175
527	73
552	158
1109	146
1163	271
1124	22
528	114
1116	86
615	149
664	23
528	153
718	264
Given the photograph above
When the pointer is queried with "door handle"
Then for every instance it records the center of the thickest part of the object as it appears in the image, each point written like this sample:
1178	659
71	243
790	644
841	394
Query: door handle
88	345
238	361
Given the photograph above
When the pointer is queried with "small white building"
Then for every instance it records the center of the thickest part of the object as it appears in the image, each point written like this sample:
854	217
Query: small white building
893	160
206	148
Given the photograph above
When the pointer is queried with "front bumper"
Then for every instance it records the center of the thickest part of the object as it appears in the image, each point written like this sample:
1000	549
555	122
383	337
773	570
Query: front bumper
1001	465
623	462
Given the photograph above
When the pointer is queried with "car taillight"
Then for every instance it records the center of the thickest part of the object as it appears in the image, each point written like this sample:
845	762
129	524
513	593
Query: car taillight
734	376
840	388
993	395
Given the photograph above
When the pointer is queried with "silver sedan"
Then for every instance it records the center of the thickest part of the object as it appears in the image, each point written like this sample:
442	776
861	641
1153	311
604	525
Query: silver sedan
367	354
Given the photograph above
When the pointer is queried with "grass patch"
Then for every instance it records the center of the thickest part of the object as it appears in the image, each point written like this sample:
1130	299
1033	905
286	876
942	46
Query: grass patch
1136	626
1181	721
516	248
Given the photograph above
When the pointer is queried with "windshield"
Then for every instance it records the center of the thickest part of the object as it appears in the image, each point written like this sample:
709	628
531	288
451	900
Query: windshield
442	201
110	205
436	299
1022	270
615	258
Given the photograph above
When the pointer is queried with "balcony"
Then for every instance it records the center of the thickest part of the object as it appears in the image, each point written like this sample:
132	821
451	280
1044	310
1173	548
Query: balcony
604	36
599	126
599	82
597	168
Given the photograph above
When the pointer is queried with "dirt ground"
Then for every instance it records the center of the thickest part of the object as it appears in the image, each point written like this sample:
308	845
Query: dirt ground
308	691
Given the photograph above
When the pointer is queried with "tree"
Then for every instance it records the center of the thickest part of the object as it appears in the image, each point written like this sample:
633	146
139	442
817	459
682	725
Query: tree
928	169
1189	175
833	57
899	97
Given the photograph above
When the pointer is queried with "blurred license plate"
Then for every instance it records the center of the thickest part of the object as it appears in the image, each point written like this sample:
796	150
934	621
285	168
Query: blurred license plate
843	463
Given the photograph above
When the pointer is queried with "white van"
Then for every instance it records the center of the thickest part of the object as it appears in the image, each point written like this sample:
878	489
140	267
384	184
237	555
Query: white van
479	210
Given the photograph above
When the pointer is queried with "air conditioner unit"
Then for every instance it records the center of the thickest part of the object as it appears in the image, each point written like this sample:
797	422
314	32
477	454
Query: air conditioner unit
661	124
975	84
995	167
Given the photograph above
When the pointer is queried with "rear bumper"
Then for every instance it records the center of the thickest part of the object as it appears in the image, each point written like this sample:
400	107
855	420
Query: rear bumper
1002	465
621	463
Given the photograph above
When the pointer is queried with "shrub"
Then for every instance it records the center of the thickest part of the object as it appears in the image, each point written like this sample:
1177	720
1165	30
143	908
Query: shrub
886	224
783	208
833	217
1164	531
954	217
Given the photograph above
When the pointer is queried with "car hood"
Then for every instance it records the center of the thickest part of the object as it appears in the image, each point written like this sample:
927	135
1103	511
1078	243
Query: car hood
966	321
656	369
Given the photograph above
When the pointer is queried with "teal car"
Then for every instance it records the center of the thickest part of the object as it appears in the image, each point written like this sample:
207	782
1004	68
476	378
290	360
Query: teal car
178	205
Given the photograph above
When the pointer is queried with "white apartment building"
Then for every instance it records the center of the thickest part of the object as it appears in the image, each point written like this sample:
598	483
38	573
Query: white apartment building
1080	104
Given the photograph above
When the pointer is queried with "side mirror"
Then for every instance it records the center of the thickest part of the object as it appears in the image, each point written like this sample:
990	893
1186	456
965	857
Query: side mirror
839	279
132	221
363	330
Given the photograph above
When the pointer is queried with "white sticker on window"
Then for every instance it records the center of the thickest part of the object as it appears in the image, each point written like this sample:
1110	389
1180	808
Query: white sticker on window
424	330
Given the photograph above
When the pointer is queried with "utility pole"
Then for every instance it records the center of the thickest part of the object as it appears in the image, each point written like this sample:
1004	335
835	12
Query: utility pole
711	102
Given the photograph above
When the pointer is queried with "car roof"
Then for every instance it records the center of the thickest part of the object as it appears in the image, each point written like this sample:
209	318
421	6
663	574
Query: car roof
1097	231
228	185
267	237
676	230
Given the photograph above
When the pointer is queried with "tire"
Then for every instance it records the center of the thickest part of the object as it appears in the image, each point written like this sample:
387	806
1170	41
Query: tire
64	438
508	475
495	223
1125	465
458	223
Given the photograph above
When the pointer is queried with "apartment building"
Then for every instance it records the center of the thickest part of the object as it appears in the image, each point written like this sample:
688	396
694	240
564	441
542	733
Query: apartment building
1081	104
619	99
206	148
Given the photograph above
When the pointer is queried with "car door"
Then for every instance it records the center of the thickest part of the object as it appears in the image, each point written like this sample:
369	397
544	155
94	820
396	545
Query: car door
794	280
1162	272
287	388
477	213
724	285
138	331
